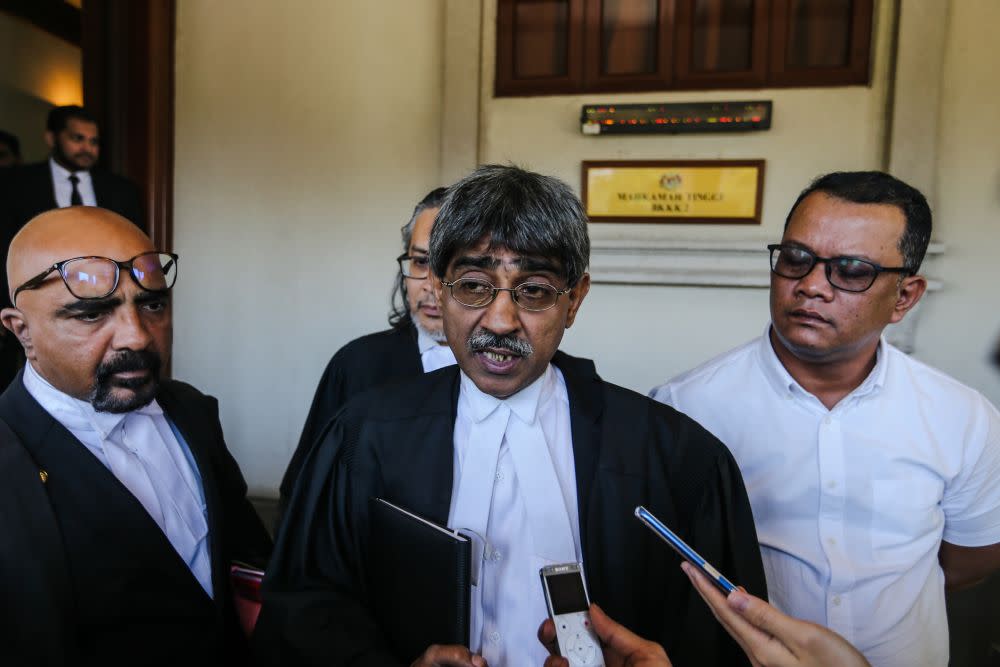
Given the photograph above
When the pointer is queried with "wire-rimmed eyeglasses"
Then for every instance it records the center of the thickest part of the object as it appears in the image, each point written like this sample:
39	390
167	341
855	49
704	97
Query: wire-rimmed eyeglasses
851	274
417	267
95	277
476	293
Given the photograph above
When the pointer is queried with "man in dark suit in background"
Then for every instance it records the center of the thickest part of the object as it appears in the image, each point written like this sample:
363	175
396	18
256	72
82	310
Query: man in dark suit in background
121	508
70	176
413	345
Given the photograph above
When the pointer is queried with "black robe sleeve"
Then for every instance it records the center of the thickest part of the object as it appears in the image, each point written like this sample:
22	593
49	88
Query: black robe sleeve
36	621
364	363
330	395
720	527
315	608
667	462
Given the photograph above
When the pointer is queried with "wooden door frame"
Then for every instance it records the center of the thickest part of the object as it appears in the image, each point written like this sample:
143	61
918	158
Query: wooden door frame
128	84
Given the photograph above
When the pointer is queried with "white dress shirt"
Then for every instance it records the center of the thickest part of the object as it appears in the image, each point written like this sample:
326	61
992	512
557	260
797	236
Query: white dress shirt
515	486
149	457
63	189
851	504
433	355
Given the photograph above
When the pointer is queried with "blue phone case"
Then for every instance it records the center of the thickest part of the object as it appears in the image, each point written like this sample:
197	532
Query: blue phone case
681	547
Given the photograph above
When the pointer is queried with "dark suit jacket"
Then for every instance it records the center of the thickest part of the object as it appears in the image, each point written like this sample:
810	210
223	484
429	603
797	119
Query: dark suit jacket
396	442
32	192
360	365
161	614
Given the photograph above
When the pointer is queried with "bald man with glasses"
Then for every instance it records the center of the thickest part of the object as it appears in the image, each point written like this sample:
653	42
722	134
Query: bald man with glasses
121	508
874	478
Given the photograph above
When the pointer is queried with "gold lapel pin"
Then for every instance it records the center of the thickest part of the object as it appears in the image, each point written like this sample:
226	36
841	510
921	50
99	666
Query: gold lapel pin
43	475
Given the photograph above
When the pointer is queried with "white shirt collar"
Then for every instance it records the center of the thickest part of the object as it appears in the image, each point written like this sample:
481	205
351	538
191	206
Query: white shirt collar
425	342
73	413
61	173
525	403
784	383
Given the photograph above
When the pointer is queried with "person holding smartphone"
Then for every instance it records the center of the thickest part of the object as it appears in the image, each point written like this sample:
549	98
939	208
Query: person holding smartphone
768	637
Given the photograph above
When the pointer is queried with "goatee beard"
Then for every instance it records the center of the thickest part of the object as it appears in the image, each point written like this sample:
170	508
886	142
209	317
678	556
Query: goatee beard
143	389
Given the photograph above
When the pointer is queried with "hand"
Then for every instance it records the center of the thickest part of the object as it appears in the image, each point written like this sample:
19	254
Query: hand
449	656
770	638
621	647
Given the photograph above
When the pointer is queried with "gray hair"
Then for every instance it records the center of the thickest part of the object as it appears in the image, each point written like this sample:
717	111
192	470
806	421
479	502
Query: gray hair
519	210
399	313
432	199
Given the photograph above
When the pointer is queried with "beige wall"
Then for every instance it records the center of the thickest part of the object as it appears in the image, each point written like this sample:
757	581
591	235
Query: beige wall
37	71
960	329
306	132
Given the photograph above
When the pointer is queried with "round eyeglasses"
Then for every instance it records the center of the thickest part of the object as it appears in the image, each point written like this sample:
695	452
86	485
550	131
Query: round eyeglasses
97	277
850	274
476	293
417	267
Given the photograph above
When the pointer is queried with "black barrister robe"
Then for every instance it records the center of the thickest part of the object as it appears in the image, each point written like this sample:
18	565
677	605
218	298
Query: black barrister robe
360	365
397	442
86	575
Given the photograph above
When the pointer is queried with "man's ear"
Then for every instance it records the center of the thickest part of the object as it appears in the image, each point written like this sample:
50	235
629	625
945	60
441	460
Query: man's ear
576	297
13	321
50	139
911	289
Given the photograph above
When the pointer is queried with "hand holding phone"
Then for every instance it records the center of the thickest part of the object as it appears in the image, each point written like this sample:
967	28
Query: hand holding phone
569	608
681	547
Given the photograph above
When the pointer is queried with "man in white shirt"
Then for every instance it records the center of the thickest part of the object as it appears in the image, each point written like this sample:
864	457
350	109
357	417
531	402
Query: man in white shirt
521	445
121	508
874	479
413	345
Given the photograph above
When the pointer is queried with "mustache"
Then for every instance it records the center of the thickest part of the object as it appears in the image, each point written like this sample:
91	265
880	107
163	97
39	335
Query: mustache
482	339
128	360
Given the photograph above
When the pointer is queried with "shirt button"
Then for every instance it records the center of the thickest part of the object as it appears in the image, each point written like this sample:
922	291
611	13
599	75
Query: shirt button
495	556
499	475
831	541
836	601
827	420
832	484
495	637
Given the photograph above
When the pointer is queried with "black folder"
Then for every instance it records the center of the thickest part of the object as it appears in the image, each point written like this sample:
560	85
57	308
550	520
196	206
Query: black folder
420	580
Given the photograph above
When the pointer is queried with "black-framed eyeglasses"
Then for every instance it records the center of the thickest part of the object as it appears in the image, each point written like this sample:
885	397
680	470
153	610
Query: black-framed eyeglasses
96	277
417	267
851	274
476	293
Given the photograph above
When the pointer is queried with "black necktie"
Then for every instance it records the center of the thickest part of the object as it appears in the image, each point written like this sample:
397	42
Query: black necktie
75	199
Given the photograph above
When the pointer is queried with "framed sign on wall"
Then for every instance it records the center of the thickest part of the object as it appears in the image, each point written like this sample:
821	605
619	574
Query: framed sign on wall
673	191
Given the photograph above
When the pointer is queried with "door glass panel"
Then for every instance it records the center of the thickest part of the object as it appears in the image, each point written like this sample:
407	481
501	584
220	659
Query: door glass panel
819	33
628	36
722	35
541	31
